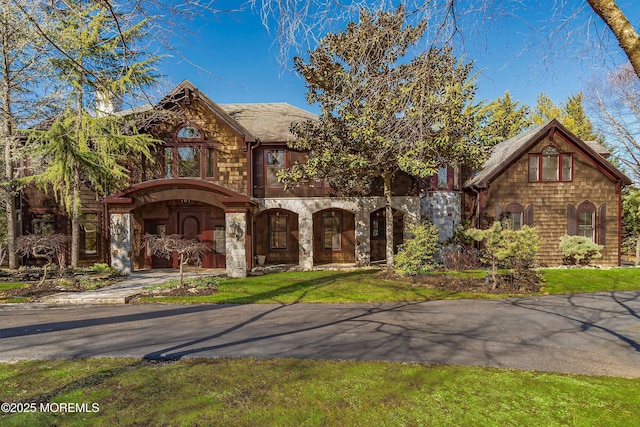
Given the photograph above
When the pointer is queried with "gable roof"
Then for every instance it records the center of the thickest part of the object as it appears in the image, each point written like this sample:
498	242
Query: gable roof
270	122
181	92
511	150
265	122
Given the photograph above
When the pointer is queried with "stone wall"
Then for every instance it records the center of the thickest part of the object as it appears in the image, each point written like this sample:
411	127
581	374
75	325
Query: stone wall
121	231
235	242
444	209
362	208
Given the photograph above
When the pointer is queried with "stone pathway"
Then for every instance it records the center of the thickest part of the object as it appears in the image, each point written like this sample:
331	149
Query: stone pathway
122	292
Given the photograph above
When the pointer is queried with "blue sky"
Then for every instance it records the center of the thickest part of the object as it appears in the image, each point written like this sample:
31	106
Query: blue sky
234	58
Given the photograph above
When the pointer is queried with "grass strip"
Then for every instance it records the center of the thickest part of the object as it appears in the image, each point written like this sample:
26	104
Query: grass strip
360	286
248	392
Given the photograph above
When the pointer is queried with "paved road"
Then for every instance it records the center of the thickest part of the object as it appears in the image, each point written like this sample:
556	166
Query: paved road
588	333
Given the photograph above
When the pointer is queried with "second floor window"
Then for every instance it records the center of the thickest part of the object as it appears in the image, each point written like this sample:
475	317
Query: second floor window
550	166
275	161
188	155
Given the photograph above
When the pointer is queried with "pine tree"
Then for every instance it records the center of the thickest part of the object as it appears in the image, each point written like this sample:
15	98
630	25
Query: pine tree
97	55
505	118
571	115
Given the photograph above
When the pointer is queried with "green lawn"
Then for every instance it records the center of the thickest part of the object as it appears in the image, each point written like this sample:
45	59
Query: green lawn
287	392
576	280
7	286
372	286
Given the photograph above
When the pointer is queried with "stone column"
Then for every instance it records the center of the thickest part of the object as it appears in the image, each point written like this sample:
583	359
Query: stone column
363	230
305	241
121	232
236	243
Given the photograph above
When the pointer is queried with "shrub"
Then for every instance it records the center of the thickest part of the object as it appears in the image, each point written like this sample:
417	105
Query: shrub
102	268
579	250
513	249
460	258
418	253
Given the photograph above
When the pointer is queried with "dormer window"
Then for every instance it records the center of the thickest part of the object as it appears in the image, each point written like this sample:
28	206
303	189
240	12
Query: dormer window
550	166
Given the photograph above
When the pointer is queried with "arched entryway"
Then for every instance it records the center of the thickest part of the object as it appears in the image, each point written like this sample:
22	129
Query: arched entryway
378	237
190	219
194	209
276	237
333	236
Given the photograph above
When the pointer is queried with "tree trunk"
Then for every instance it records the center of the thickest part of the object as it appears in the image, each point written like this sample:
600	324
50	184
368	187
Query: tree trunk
622	29
637	251
180	284
75	219
7	136
388	212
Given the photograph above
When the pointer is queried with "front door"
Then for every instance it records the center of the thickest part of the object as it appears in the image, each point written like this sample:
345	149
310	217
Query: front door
198	225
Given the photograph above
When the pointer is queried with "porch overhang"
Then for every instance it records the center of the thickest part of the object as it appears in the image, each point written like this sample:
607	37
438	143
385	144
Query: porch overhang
161	190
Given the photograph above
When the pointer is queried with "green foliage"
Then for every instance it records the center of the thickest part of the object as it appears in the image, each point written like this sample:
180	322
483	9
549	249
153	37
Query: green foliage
384	110
417	254
513	249
579	250
571	115
631	219
504	119
95	146
102	268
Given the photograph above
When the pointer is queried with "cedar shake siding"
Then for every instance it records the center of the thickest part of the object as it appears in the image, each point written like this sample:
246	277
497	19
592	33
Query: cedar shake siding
586	184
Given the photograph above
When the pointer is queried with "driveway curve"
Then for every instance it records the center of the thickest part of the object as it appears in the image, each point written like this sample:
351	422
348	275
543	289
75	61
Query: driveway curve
595	334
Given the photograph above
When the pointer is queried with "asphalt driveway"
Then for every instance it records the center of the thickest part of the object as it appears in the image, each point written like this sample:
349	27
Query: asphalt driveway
597	334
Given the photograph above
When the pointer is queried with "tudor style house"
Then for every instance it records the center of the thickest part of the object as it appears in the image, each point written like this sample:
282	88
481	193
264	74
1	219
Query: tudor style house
214	178
549	178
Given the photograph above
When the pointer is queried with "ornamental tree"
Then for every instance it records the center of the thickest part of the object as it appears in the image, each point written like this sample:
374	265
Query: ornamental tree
189	251
49	247
384	109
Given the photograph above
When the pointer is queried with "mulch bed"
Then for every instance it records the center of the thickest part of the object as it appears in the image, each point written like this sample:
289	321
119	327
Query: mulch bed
507	284
185	291
33	291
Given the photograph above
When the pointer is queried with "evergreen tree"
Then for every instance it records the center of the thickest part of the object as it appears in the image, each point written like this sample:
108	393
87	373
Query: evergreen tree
383	112
504	118
97	55
571	115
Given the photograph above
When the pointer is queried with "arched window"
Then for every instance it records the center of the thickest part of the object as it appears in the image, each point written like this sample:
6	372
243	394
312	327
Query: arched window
586	220
189	132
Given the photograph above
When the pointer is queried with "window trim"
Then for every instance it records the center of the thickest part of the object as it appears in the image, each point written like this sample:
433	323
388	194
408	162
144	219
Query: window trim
95	222
280	186
559	168
201	144
515	208
286	231
587	207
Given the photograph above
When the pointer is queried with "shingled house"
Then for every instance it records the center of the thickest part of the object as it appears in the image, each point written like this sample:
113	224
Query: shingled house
213	178
549	178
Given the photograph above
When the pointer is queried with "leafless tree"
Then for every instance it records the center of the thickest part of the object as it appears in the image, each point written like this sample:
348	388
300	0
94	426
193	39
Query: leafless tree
564	26
189	251
49	247
614	101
